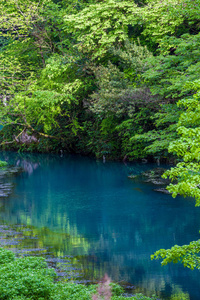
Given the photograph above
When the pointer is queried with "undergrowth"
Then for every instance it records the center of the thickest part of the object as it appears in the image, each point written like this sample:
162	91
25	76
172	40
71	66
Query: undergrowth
30	278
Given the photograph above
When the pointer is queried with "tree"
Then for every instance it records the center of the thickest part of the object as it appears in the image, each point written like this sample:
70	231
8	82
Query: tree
186	175
102	25
39	81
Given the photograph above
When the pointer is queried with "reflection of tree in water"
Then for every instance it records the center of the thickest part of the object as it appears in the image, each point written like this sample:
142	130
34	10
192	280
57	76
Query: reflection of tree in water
49	159
160	285
14	158
28	166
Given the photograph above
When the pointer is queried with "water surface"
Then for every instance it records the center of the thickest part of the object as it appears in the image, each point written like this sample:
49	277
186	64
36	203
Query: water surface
109	223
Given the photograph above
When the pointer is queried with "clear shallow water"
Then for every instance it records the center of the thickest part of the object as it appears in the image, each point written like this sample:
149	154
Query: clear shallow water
111	224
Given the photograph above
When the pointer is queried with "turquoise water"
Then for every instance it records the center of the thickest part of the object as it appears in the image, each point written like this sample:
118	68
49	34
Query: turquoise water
111	224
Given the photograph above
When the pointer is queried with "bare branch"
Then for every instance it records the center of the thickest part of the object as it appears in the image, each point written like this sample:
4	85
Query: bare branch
15	139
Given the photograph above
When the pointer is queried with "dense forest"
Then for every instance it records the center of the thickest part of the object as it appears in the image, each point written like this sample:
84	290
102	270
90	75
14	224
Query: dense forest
109	78
99	78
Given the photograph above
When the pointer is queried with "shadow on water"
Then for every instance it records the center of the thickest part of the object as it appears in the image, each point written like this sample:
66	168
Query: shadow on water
106	222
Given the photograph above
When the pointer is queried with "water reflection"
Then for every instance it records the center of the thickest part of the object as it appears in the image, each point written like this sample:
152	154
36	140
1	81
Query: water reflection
27	166
92	211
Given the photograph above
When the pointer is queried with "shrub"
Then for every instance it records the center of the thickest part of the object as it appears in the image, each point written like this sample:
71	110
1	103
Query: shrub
29	278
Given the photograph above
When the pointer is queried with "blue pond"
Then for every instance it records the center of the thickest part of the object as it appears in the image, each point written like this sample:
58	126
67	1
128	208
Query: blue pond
110	223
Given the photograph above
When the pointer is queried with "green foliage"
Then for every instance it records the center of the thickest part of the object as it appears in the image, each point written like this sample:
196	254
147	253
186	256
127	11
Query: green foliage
132	59
30	278
185	175
138	124
6	256
120	100
186	172
80	76
169	73
165	124
101	25
40	86
114	94
186	254
170	18
3	163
